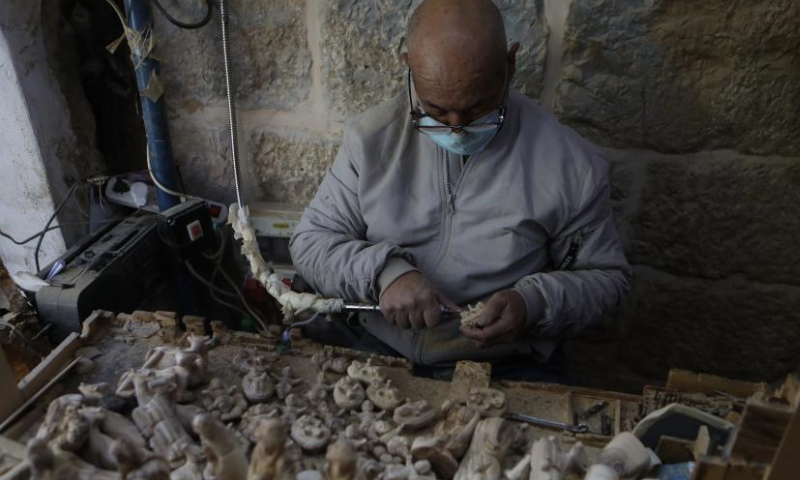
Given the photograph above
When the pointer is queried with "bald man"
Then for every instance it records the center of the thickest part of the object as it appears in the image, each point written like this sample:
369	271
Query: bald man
459	190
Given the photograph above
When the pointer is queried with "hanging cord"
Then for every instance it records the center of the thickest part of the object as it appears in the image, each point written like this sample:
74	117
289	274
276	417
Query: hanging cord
178	23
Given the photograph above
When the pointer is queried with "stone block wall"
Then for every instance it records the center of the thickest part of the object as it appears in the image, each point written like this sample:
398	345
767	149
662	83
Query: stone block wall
696	102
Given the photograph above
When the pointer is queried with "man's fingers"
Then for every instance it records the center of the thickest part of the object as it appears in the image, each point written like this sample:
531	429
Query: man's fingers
401	320
492	311
432	316
416	319
486	333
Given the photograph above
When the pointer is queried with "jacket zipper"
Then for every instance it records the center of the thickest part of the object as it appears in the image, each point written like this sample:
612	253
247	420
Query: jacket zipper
451	198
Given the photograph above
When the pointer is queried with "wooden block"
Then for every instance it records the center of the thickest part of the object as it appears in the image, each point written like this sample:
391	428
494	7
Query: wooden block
95	324
686	381
469	375
12	398
143	316
711	468
786	463
50	366
758	435
194	324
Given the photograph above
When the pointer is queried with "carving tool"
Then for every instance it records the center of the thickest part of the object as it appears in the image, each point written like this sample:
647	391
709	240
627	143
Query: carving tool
543	422
361	307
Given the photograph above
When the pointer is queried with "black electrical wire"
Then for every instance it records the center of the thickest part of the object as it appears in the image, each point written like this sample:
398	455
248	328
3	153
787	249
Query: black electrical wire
53	217
178	23
54	227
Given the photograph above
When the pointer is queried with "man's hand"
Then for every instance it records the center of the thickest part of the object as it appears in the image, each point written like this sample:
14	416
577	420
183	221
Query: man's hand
505	315
411	301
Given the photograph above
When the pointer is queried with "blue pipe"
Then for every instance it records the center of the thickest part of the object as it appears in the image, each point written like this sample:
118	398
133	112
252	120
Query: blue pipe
154	114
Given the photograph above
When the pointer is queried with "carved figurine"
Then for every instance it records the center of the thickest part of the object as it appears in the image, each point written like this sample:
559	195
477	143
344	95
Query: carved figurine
415	415
487	451
310	433
224	403
487	401
192	469
348	393
48	462
226	454
319	390
545	460
471	317
257	387
342	462
449	440
625	454
268	461
326	362
384	395
157	418
286	382
365	372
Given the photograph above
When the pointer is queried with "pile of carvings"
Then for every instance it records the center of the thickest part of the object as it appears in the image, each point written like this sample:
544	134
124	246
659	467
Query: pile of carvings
348	423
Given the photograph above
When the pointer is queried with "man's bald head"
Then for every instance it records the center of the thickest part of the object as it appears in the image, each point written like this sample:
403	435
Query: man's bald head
457	51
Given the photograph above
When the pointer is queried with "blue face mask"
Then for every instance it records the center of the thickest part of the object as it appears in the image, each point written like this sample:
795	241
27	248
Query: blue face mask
466	142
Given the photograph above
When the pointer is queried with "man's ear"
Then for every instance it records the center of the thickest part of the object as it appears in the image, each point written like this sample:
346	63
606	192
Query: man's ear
512	59
404	58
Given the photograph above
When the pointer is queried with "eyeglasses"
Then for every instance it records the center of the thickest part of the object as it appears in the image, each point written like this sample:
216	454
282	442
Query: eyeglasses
441	129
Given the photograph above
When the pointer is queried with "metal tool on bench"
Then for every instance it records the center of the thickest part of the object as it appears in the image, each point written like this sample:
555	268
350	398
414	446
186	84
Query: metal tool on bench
542	422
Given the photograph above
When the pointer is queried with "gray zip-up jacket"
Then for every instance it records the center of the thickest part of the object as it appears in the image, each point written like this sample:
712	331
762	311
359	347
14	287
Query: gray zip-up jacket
531	212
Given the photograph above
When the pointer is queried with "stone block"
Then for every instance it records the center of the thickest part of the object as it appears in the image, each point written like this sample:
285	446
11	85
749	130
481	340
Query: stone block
288	169
202	152
678	76
362	42
717	215
271	62
734	328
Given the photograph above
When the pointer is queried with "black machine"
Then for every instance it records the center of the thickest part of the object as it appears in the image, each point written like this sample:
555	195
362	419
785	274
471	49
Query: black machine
122	265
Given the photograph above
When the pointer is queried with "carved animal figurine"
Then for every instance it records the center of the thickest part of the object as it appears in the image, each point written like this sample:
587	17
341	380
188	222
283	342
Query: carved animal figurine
48	462
268	461
348	393
342	461
310	433
384	395
449	440
488	401
365	372
487	451
415	415
227	456
472	316
625	454
257	387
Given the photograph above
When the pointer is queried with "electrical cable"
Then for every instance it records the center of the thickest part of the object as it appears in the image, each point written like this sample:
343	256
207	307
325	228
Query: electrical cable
213	288
251	312
178	23
53	217
54	227
161	185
